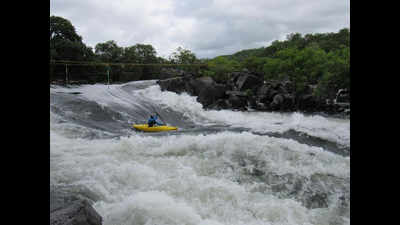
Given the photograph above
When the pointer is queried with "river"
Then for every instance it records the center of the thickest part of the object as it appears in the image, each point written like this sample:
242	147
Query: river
220	167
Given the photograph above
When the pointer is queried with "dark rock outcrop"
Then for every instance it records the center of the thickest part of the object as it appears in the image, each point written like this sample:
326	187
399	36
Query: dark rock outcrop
276	102
69	207
220	104
247	81
245	90
176	84
237	102
207	90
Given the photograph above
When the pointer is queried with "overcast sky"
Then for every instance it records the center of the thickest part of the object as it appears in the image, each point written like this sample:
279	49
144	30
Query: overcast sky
206	27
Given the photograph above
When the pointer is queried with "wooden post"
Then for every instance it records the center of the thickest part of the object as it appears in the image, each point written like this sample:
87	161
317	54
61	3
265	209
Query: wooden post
108	74
66	74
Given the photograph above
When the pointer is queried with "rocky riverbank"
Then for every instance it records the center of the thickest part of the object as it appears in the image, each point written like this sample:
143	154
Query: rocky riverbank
246	91
72	206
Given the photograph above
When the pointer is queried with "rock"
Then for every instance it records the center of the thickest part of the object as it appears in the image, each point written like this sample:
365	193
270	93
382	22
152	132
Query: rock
78	212
246	81
288	102
244	89
243	80
237	93
252	102
288	86
211	95
207	90
276	85
237	102
72	207
267	92
220	104
276	103
343	95
263	90
234	75
261	106
199	84
307	102
177	84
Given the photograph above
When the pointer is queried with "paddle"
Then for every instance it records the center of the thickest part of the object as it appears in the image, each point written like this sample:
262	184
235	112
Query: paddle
161	118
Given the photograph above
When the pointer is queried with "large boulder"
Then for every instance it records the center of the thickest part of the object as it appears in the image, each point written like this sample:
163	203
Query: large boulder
307	103
176	84
247	81
237	102
277	101
72	208
78	212
243	80
252	102
266	93
220	104
288	87
238	99
288	102
211	95
199	84
206	90
343	95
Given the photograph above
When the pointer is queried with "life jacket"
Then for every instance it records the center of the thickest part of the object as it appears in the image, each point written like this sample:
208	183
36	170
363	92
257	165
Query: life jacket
151	121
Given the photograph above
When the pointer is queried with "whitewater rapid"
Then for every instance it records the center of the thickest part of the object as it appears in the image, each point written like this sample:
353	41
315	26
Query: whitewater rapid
221	167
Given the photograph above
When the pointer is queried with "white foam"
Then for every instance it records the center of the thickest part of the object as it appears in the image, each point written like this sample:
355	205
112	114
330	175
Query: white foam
192	179
152	207
186	179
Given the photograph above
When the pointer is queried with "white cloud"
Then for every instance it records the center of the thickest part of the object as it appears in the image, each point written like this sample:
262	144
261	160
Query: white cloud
206	27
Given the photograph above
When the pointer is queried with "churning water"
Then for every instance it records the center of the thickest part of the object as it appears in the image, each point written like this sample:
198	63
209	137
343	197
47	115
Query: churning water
221	167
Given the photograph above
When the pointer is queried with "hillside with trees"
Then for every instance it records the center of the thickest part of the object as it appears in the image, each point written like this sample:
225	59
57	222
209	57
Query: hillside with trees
320	60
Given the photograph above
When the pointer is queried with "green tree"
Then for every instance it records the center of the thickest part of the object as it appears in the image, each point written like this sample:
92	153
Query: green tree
255	64
140	53
183	56
109	51
220	67
273	69
303	67
61	28
337	75
65	43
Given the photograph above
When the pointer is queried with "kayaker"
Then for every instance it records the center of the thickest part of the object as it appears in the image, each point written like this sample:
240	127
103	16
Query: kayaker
153	120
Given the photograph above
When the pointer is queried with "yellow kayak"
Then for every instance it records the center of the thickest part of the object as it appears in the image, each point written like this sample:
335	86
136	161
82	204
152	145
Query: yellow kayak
145	127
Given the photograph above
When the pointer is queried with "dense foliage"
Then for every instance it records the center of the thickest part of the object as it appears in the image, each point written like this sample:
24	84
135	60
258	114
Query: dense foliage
65	43
319	60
